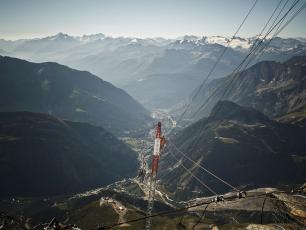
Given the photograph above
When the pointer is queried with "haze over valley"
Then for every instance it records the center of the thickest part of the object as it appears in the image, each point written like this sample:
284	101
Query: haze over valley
153	114
153	68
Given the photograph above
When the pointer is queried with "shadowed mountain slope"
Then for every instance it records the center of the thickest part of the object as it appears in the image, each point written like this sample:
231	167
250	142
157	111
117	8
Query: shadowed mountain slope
272	88
69	94
43	155
239	144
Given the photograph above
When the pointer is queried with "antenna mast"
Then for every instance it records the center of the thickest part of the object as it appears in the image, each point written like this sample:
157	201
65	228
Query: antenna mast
158	145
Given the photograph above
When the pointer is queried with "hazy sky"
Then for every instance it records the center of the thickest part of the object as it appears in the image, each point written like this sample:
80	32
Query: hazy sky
139	18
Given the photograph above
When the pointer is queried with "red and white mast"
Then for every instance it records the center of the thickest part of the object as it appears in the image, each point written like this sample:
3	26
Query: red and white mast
158	145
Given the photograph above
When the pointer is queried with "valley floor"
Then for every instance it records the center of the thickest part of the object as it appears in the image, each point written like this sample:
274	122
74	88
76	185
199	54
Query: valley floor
126	200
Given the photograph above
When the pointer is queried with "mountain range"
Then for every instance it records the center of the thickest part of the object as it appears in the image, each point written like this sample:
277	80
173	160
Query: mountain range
59	127
68	94
149	69
273	88
239	144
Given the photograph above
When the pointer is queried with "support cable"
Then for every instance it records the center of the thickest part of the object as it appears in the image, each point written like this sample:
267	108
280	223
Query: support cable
267	23
259	52
251	54
269	31
182	209
201	217
217	62
202	167
238	68
262	209
180	224
194	176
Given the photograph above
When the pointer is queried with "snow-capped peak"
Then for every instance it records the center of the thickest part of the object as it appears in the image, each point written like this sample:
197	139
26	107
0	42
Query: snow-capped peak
91	37
190	38
194	41
59	36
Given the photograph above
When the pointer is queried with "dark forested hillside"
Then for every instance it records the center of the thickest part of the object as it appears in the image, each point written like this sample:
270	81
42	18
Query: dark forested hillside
43	155
69	94
239	144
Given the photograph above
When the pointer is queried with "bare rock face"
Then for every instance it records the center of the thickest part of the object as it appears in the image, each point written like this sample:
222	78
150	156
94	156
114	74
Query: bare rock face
270	87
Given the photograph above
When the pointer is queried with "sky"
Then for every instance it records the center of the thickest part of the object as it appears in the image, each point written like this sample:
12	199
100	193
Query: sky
138	18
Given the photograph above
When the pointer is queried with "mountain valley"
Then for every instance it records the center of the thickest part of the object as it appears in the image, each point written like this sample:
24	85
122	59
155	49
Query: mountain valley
71	144
173	66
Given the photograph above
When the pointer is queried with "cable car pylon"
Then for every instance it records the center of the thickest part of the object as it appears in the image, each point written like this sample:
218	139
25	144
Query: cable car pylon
158	146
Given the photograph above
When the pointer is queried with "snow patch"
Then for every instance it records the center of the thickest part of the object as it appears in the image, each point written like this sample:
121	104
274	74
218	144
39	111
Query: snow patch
39	72
79	110
45	85
141	79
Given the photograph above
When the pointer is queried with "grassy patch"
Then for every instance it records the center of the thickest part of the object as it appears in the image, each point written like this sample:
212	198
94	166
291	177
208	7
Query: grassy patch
92	215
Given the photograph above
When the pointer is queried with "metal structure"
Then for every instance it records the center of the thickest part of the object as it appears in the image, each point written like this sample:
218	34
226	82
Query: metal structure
158	146
142	170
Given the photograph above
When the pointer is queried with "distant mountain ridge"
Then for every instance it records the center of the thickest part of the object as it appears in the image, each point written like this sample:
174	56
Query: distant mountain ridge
271	87
41	155
226	110
173	67
68	94
237	42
